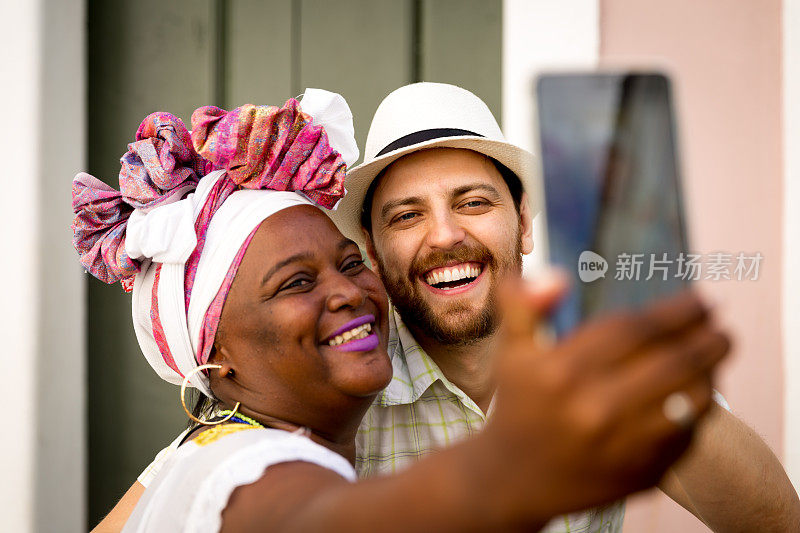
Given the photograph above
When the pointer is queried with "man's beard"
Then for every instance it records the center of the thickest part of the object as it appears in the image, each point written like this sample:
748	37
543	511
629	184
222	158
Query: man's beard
417	312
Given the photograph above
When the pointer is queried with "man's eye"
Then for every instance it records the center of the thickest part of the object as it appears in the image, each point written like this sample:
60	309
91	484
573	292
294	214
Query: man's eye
405	217
475	203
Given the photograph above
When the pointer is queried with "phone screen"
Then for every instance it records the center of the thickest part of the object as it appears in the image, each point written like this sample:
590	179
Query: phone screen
612	193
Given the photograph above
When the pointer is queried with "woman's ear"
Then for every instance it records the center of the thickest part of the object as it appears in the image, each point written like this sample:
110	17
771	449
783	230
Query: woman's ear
219	356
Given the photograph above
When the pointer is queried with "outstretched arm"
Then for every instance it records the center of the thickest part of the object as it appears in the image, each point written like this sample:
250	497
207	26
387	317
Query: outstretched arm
732	481
436	494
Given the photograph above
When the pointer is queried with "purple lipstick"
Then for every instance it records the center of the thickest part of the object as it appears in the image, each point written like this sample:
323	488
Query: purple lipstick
366	344
360	321
355	336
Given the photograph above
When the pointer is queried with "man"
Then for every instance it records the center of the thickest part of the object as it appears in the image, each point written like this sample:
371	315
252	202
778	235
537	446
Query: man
430	205
441	206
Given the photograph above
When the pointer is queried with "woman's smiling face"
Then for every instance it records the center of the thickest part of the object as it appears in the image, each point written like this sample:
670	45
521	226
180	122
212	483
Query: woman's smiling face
304	327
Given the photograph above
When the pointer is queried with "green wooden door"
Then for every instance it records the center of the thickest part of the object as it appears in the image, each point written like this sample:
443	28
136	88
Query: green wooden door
149	55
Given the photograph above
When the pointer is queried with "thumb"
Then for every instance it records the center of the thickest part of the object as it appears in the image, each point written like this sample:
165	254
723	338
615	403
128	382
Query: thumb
525	303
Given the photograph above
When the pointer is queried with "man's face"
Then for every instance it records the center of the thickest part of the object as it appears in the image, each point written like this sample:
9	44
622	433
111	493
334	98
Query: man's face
445	232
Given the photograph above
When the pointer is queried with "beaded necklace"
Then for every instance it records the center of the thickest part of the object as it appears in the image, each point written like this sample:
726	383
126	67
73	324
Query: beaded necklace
240	418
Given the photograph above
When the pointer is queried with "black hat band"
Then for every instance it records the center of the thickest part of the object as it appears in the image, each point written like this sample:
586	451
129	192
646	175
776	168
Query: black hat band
425	135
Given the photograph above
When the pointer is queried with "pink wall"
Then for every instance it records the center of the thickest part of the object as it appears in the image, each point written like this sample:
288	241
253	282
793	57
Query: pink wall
725	60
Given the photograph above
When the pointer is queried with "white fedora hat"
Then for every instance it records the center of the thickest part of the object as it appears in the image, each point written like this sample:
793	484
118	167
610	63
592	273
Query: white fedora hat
429	115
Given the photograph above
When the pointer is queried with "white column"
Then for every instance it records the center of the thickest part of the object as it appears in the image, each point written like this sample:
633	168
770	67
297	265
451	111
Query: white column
20	92
42	450
791	237
541	35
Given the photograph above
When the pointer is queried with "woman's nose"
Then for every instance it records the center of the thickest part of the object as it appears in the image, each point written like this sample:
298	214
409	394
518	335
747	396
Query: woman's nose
345	293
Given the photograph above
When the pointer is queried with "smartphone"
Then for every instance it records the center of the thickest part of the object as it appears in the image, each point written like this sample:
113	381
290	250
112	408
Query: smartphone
613	207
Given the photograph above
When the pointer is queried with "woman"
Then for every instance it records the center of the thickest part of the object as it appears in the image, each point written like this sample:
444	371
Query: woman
235	271
299	285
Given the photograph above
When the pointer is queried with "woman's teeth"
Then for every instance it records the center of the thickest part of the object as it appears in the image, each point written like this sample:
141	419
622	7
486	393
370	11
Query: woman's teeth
360	332
452	274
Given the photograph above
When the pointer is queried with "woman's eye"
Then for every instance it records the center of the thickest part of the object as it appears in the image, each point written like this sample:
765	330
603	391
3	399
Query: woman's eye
296	283
354	264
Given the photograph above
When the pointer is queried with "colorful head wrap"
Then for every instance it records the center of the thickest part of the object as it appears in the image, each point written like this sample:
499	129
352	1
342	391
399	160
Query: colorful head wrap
179	227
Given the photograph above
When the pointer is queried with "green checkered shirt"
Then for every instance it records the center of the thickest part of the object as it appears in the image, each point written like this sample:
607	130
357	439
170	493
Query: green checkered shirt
422	411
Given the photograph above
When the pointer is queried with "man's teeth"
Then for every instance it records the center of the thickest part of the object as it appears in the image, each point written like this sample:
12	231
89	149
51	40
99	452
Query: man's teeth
452	274
360	332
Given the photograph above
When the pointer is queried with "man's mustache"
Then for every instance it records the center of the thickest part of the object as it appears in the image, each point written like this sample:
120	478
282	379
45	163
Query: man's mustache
462	254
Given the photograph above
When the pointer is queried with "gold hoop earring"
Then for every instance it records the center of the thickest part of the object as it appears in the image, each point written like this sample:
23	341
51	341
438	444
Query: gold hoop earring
183	400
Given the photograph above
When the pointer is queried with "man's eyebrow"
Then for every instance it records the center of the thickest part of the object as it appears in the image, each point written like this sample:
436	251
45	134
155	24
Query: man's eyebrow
303	256
388	206
476	187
